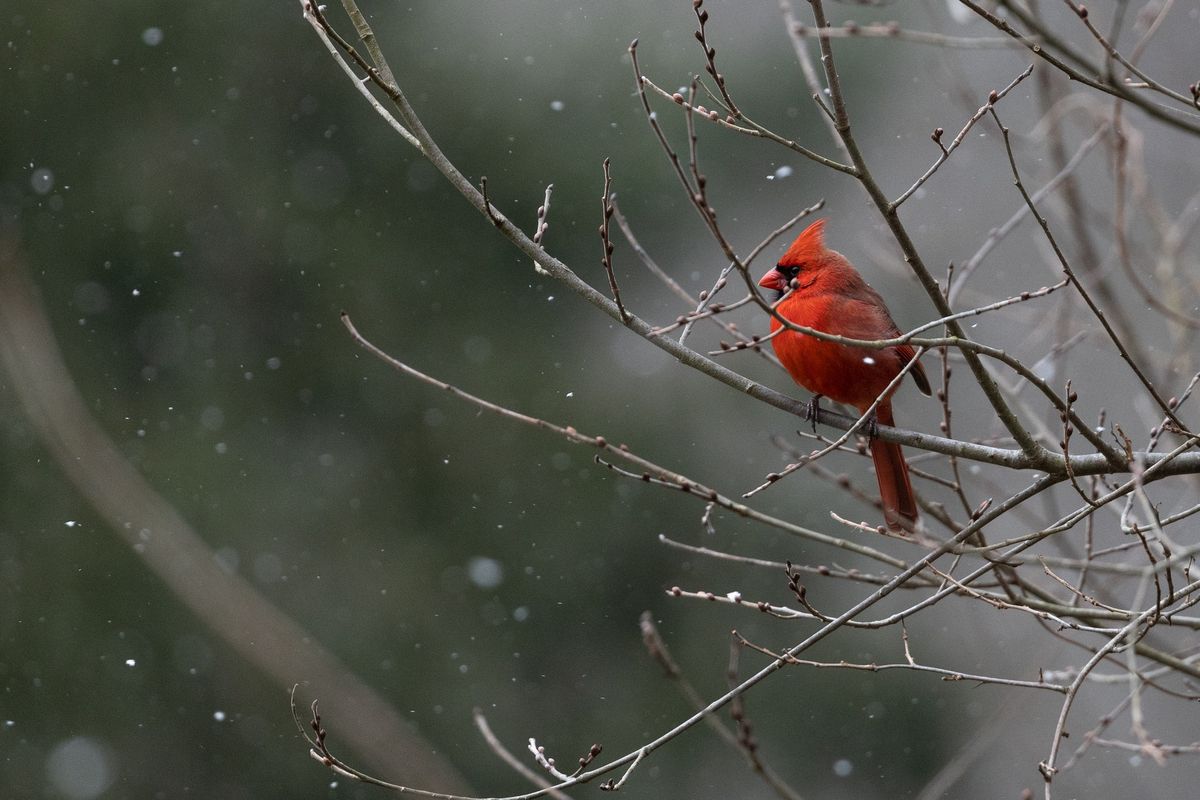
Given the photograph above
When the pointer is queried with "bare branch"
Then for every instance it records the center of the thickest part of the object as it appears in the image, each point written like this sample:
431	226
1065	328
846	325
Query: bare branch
606	242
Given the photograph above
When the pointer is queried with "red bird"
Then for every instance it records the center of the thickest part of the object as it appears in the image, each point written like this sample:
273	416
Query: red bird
829	295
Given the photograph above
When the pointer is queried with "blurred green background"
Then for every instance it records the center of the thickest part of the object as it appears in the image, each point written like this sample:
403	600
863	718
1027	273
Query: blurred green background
197	192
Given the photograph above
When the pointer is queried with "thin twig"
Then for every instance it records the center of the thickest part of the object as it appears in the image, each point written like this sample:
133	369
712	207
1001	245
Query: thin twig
541	225
606	207
487	204
893	31
958	140
949	675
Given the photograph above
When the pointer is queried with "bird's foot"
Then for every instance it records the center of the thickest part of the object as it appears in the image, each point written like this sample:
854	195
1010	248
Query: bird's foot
872	428
813	410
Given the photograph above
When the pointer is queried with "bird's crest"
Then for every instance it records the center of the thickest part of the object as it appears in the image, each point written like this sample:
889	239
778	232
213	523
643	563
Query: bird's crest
808	247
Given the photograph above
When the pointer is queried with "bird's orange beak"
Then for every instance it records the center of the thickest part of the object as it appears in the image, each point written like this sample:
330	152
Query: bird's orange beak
774	280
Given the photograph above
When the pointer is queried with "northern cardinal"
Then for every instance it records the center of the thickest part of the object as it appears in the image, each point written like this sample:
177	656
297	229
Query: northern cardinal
829	295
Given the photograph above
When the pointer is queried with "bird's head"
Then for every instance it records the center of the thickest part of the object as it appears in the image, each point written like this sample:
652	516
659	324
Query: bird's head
806	253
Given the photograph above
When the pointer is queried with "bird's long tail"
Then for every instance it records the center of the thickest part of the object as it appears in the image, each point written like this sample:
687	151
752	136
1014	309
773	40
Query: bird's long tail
895	488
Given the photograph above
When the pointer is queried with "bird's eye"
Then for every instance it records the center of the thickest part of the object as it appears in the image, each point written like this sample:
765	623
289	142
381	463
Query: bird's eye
789	272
